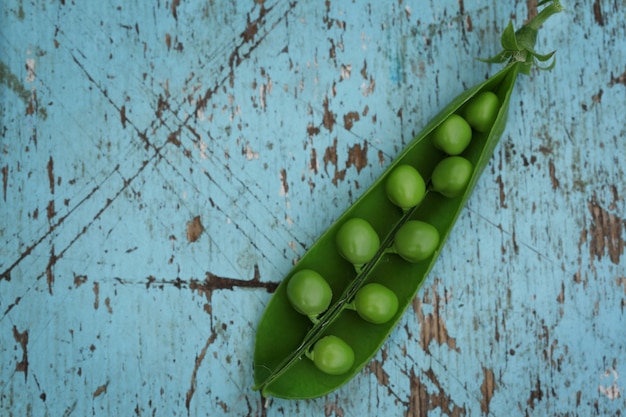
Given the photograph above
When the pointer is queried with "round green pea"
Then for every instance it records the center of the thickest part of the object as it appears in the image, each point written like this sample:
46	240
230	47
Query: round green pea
416	240
308	292
376	303
453	135
405	187
451	176
332	355
482	111
357	241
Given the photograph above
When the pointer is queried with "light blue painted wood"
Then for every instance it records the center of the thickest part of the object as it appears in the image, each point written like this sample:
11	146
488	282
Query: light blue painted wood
121	123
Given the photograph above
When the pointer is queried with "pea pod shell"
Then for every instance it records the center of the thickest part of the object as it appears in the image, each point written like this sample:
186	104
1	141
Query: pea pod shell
283	335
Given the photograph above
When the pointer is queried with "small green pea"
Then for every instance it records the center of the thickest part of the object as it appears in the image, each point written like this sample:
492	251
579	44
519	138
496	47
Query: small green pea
308	292
451	176
482	111
357	241
416	240
332	355
453	135
376	303
405	187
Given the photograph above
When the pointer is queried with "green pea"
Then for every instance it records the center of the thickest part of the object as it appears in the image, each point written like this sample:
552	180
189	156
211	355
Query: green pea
332	355
451	176
405	187
309	293
482	110
357	241
376	303
453	135
416	241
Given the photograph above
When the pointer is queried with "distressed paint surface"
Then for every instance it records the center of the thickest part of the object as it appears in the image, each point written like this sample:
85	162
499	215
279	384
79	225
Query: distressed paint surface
164	165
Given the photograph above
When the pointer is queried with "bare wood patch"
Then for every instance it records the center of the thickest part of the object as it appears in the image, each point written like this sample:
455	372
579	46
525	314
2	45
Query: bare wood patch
357	156
487	389
555	181
433	326
536	394
22	339
597	13
349	119
194	229
606	233
421	401
619	79
102	389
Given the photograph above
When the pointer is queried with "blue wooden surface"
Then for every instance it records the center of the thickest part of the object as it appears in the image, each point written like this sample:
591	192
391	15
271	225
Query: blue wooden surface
164	165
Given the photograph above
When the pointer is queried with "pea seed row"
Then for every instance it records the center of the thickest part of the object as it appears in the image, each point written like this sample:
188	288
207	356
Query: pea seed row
413	241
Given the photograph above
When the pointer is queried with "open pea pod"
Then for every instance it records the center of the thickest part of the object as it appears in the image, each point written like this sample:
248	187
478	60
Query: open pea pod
294	357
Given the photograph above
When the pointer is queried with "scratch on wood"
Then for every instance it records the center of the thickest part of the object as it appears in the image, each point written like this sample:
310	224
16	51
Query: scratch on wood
555	182
96	292
5	181
50	270
235	58
10	307
123	116
50	169
421	402
211	282
194	373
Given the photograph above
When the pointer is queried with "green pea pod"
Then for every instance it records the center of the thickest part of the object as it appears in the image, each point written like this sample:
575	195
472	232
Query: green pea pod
285	338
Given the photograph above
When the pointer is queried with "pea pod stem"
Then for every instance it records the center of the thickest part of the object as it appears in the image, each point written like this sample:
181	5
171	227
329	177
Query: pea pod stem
519	46
350	306
391	250
315	318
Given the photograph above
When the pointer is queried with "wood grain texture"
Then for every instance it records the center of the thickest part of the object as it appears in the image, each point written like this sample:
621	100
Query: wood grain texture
164	165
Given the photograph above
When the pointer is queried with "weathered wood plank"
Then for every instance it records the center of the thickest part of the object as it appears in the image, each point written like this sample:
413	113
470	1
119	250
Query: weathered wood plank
164	165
